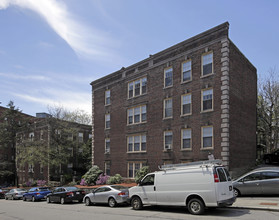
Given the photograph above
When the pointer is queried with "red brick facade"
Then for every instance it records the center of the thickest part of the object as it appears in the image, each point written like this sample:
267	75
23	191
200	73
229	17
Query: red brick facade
231	115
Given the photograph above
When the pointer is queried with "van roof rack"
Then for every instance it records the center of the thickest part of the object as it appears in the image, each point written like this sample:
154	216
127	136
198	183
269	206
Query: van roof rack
185	165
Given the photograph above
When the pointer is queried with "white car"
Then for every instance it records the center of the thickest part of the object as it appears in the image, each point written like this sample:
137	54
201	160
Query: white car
111	195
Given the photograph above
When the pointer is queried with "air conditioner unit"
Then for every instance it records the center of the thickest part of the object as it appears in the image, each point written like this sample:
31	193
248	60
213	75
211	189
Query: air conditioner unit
167	146
107	151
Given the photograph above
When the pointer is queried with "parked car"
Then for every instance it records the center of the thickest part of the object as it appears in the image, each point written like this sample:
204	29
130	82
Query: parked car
37	193
15	193
111	195
272	157
66	194
195	185
3	192
261	181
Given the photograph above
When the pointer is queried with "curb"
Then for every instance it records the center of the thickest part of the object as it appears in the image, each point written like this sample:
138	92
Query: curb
256	208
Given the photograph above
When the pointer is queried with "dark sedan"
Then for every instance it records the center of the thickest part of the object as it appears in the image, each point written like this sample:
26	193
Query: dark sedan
65	195
3	192
261	181
36	193
15	193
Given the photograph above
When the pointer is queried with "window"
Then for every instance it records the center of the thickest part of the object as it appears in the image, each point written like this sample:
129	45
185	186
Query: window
80	137
252	177
107	97
30	168
207	100
270	175
133	167
186	107
31	136
186	136
167	108
107	118
107	167
222	175
207	137
207	64
137	87
168	77
137	115
187	71
167	140
148	180
107	146
137	143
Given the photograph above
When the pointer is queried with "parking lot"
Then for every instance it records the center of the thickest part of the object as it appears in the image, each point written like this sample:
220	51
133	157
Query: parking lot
19	210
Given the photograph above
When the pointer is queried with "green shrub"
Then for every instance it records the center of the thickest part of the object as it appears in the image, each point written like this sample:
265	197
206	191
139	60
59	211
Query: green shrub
141	173
115	179
92	175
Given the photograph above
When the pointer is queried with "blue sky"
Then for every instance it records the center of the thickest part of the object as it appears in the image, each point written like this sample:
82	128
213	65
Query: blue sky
51	50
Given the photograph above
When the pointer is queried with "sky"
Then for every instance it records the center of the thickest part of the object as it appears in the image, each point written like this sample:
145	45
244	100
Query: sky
51	50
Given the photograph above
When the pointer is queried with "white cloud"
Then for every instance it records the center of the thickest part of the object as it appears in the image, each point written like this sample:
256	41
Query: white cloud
24	77
85	41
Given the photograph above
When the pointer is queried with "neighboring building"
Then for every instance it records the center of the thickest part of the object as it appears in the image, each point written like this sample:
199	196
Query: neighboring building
7	150
49	133
179	105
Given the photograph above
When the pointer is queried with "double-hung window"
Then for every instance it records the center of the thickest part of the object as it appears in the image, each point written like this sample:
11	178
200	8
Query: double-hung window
207	64
186	139
107	97
168	108
186	101
107	120
167	140
207	100
107	145
137	114
107	167
168	76
187	71
137	143
133	167
207	137
137	87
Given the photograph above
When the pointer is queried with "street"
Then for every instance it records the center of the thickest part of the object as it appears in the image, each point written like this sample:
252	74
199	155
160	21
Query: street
19	210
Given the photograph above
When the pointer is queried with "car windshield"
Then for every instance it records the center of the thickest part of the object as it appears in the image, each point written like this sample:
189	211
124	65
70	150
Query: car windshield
71	188
119	187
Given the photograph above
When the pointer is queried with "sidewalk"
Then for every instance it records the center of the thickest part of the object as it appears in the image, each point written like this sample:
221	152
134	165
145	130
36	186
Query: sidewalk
257	203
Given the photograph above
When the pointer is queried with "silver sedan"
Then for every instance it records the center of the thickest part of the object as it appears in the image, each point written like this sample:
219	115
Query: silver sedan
111	195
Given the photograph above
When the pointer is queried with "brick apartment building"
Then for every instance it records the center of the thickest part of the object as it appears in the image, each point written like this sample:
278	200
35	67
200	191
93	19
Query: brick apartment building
193	99
42	133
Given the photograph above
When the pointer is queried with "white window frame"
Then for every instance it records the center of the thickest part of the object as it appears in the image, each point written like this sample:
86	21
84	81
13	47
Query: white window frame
131	140
107	167
182	138
80	137
204	62
165	77
165	104
185	64
202	137
186	102
141	86
134	163
168	146
107	121
202	100
107	147
131	113
107	97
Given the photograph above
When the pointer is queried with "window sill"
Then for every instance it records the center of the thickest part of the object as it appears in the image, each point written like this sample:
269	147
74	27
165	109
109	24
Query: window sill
107	105
137	123
135	152
207	148
167	87
210	74
210	110
185	82
186	115
130	98
167	118
188	149
169	150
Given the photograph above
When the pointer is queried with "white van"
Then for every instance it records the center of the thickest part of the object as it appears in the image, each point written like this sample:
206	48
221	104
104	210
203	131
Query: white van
195	185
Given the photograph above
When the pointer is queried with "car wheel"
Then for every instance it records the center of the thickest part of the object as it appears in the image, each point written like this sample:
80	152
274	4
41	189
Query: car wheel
196	207
62	201
236	192
87	201
136	203
33	199
6	198
48	200
13	198
24	198
112	203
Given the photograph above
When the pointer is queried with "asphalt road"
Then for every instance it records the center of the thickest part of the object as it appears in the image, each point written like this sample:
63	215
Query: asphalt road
19	210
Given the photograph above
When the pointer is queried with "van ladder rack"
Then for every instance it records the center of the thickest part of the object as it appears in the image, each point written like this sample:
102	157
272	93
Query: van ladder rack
184	165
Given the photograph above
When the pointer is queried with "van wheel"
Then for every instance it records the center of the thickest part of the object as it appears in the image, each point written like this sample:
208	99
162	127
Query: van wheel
236	192
196	207
136	203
